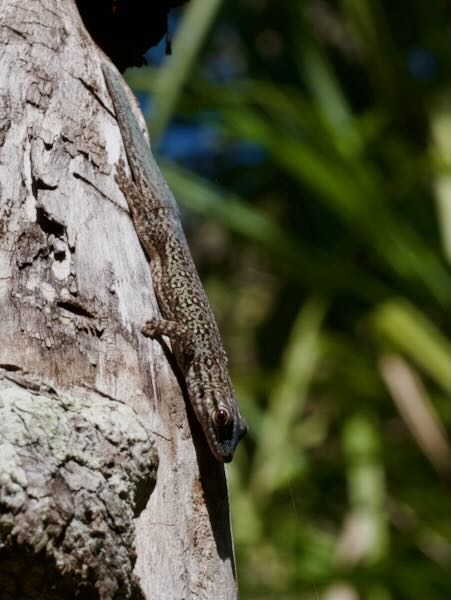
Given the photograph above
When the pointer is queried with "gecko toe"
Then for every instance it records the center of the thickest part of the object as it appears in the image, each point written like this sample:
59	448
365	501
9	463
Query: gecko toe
150	329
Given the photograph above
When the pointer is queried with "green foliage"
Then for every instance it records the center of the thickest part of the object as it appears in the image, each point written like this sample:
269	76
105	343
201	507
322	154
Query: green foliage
327	262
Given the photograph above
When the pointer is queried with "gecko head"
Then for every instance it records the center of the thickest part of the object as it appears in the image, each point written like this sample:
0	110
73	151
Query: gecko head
226	428
218	413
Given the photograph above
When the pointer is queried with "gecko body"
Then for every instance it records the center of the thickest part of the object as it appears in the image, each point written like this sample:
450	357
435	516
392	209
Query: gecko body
188	320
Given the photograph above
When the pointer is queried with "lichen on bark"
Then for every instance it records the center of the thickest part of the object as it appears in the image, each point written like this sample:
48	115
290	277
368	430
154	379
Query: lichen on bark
74	472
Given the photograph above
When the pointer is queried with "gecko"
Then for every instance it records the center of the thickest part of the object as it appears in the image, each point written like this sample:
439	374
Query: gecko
187	318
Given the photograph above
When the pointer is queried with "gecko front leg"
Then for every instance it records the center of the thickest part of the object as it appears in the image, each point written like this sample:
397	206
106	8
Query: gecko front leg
179	334
171	329
125	183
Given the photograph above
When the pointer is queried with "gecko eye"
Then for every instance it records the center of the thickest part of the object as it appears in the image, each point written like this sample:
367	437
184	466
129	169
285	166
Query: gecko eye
221	417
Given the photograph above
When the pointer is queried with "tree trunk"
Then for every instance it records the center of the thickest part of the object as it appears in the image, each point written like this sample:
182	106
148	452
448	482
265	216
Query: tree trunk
86	401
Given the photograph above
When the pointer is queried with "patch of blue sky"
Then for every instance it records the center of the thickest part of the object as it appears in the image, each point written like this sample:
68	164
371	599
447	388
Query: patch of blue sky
202	148
157	54
183	141
199	144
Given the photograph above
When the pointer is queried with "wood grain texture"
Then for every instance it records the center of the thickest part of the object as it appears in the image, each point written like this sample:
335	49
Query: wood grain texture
75	288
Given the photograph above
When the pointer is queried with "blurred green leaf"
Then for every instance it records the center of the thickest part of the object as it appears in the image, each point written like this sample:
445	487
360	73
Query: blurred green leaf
406	329
441	152
301	261
367	535
277	458
328	144
351	187
417	411
166	83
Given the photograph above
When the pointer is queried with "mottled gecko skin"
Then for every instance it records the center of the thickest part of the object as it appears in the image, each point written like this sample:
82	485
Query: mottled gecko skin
187	316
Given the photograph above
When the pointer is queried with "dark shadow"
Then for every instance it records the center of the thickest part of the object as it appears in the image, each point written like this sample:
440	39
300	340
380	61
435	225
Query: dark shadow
212	474
125	29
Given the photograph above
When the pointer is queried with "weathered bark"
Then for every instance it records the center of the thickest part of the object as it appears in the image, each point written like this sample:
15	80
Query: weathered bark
82	392
73	472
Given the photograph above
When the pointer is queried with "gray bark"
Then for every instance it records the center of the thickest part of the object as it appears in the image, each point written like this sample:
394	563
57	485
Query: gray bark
73	473
85	399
